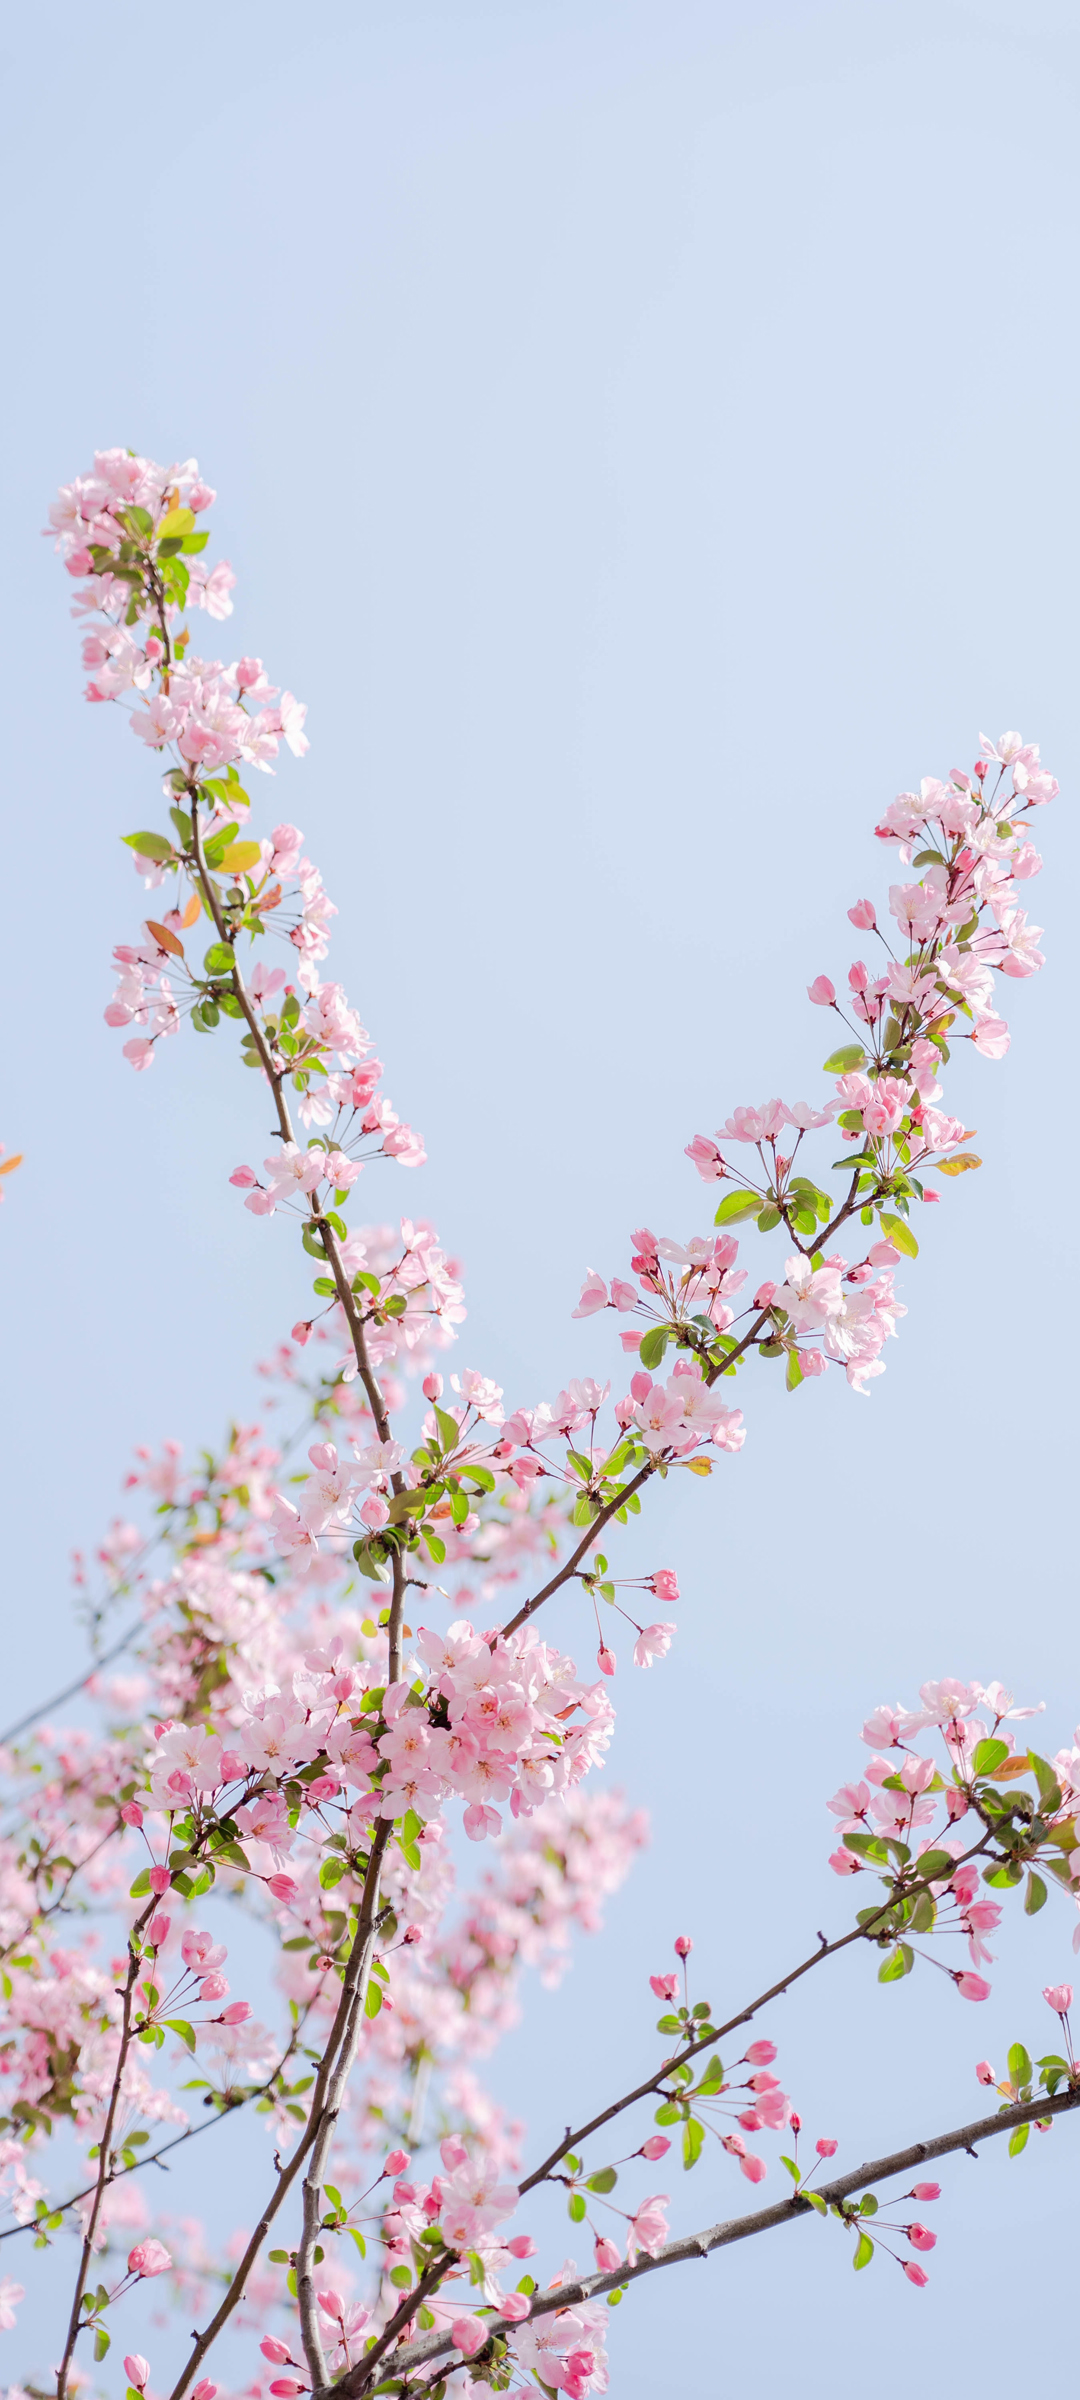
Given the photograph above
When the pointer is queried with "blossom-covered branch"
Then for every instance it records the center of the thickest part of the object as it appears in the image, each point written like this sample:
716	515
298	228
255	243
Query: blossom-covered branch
283	1740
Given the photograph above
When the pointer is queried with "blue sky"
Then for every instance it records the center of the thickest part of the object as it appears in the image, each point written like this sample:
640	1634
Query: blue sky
646	437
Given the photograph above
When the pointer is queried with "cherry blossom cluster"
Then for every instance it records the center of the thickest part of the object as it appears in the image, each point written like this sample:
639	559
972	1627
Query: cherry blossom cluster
958	926
945	1838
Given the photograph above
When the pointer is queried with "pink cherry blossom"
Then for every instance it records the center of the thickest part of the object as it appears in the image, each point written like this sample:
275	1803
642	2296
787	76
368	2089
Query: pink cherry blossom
148	2258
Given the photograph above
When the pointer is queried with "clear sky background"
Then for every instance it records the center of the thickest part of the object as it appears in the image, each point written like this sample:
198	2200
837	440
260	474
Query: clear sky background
646	436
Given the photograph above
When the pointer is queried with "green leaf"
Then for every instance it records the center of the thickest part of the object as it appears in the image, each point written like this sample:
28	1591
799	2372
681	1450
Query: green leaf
1018	2140
817	2202
868	2205
176	524
231	1855
180	2026
989	1754
794	1374
666	2114
359	2240
102	2341
449	1429
219	959
792	2169
900	1233
331	1872
373	1999
436	1547
693	2136
141	1885
239	857
1035	1895
1050	1793
934	1864
899	1962
768	1217
604	2180
736	1206
149	845
653	1345
1020	2067
575	2207
669	2024
847	1060
864	2251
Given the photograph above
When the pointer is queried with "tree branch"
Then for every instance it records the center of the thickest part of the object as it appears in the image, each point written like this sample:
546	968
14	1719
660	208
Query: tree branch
733	2229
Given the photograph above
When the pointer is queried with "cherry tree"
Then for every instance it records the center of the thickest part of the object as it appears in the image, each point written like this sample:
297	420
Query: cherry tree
341	1666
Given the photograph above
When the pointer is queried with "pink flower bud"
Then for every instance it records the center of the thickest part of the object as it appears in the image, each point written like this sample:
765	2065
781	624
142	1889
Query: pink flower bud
432	1388
285	2386
282	1887
213	1987
665	1986
761	2054
606	2254
821	991
148	2258
664	1584
204	2389
825	2148
516	2305
1059	1996
971	1987
683	1945
396	2163
915	2274
277	2352
159	1931
926	2191
160	1880
301	1332
765	1295
985	2072
244	1178
132	1813
640	1385
522	2246
468	2335
863	915
237	2013
605	1660
137	2370
921	2237
655	2147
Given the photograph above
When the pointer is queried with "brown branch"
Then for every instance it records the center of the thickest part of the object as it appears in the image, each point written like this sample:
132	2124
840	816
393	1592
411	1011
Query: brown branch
716	2033
352	1994
134	1963
733	2229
